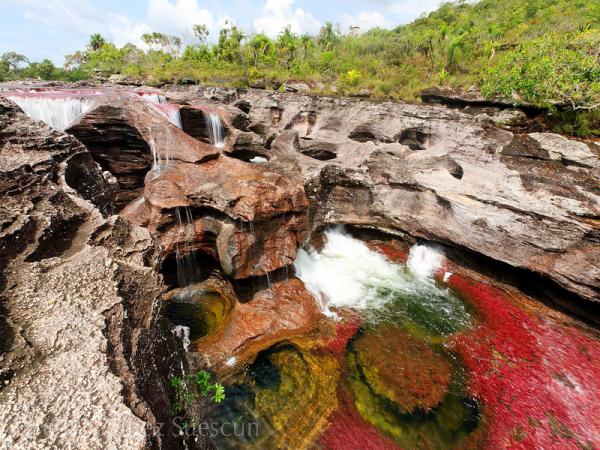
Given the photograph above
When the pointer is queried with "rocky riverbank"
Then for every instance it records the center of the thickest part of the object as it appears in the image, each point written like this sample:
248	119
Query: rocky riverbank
97	219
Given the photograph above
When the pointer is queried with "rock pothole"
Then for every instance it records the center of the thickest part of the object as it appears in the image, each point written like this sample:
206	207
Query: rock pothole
414	138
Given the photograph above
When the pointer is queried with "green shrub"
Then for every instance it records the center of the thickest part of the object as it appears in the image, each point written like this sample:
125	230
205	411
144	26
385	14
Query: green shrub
549	70
190	388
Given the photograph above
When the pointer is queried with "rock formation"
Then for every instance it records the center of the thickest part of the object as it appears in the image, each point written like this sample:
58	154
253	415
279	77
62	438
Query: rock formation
85	357
80	284
528	201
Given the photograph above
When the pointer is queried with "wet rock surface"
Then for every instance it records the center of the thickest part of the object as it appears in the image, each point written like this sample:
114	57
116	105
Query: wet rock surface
85	357
290	166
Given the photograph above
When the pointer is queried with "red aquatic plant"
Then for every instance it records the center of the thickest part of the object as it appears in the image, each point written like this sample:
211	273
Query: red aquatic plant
392	250
347	430
538	380
344	331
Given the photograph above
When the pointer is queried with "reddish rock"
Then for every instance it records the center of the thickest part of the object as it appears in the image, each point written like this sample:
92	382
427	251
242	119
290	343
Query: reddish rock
273	315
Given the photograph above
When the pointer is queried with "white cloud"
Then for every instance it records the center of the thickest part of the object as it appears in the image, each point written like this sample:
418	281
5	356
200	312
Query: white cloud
413	9
365	20
178	17
278	14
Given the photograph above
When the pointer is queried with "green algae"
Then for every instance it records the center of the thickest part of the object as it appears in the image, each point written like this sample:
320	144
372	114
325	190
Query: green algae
202	313
443	419
292	393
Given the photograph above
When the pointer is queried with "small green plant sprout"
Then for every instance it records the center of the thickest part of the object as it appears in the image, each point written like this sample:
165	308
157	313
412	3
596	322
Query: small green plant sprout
191	387
443	75
219	391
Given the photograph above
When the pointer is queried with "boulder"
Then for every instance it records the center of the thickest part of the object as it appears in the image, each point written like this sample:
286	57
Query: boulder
277	313
569	151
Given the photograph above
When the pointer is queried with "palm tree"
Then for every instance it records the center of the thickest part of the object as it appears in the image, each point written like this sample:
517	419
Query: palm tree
96	41
259	44
306	42
328	36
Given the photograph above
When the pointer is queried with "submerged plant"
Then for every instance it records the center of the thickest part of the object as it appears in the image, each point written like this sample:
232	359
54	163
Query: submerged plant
191	387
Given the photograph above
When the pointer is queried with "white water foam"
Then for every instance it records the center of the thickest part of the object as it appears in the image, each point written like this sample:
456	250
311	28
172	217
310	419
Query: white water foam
184	333
215	130
424	260
259	160
154	98
160	104
172	112
347	274
56	112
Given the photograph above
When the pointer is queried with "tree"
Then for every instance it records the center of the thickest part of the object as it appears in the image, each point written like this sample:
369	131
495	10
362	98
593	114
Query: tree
160	41
201	32
306	42
260	45
96	42
75	59
14	61
230	43
45	70
287	42
328	36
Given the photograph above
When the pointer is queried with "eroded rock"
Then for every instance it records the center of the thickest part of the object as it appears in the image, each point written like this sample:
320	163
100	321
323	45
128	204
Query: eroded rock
85	359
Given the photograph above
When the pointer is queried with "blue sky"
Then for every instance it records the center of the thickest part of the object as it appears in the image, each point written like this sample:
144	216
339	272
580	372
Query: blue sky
53	28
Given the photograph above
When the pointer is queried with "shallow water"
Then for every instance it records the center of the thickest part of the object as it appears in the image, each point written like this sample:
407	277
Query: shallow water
393	377
201	312
414	356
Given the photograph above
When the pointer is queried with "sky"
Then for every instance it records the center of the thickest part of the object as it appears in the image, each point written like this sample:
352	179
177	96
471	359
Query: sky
54	28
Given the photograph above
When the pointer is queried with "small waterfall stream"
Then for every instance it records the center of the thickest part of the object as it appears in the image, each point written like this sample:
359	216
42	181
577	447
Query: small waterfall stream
215	128
187	271
159	162
159	103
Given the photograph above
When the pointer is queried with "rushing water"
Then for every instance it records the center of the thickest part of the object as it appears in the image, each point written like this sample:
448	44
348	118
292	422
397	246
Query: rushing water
393	377
57	112
347	274
215	128
160	104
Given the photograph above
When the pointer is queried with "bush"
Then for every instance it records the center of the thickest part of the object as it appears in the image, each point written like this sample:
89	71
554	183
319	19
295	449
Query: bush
552	69
190	388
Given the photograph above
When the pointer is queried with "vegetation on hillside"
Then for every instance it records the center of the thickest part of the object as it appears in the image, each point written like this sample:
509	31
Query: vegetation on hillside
542	52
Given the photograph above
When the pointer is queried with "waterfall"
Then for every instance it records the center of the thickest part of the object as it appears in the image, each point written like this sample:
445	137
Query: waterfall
216	132
347	274
159	162
153	97
56	112
183	333
424	260
159	103
186	260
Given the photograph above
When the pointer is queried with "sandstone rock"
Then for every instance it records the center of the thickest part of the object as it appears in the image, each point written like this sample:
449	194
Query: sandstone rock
560	148
281	312
470	97
363	93
510	117
296	87
84	358
499	194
